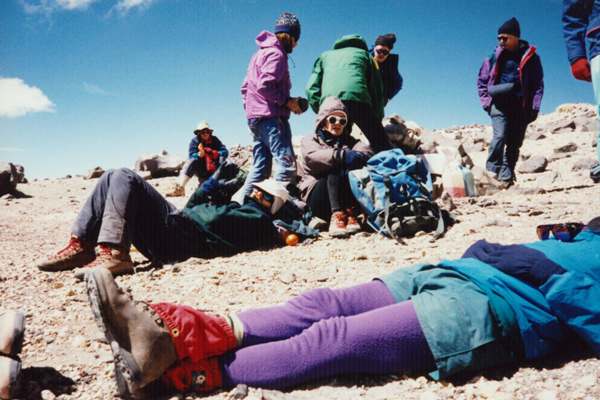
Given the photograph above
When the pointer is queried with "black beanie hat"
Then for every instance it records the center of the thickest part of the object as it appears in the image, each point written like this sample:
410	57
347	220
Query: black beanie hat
510	27
288	23
386	40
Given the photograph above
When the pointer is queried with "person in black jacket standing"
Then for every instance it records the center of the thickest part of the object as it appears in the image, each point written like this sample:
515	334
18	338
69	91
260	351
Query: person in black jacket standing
388	65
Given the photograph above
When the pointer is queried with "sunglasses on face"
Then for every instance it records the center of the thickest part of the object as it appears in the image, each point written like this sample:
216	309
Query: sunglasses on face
382	52
503	38
268	197
332	119
563	232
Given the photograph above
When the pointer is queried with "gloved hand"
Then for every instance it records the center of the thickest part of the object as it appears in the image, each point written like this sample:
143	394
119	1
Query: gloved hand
581	70
354	159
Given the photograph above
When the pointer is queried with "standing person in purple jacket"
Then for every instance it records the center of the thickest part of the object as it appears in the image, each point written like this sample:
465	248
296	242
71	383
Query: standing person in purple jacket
581	21
267	102
510	86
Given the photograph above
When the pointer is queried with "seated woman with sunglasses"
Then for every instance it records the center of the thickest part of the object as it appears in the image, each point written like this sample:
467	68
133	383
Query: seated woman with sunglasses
498	304
327	155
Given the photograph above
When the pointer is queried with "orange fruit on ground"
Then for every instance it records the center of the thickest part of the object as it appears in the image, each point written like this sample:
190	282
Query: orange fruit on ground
292	239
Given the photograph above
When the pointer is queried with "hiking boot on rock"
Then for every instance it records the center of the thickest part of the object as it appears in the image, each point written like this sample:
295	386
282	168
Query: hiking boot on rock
76	254
337	225
140	342
10	372
117	261
12	330
178	191
352	225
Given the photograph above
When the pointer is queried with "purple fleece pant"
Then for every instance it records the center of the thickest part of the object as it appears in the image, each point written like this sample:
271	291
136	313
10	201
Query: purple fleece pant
328	332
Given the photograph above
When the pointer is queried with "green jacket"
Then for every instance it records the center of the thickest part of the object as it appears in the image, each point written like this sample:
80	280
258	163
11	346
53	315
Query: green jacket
232	228
347	72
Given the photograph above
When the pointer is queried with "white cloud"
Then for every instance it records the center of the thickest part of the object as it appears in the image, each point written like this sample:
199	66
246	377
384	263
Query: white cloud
17	98
124	6
94	89
74	4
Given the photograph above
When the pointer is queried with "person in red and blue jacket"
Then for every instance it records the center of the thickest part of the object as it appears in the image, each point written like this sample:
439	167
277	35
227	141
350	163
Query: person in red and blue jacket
581	20
498	304
510	87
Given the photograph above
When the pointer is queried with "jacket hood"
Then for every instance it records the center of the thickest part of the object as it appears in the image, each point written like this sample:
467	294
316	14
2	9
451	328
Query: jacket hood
351	41
267	39
329	105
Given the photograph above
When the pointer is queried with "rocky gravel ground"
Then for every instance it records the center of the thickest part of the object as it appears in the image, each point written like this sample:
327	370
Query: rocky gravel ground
63	344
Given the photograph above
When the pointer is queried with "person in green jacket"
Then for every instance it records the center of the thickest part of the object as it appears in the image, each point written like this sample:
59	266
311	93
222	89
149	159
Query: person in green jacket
349	73
125	210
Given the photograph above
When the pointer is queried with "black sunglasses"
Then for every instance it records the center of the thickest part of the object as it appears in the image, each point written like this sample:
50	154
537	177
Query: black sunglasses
564	232
332	119
502	38
383	52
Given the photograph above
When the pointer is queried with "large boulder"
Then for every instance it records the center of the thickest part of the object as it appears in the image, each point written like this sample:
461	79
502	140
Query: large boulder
94	173
533	164
10	175
159	165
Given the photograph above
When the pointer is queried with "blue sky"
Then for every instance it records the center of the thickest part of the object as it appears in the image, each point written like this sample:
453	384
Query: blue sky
100	82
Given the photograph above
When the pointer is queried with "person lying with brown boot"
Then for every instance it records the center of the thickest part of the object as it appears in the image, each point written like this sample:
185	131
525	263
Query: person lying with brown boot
12	329
124	209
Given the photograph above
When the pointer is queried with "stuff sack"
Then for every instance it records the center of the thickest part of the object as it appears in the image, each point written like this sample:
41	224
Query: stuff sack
394	190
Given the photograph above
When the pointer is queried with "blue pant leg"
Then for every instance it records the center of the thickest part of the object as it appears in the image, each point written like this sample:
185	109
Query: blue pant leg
261	155
279	135
595	66
87	223
496	150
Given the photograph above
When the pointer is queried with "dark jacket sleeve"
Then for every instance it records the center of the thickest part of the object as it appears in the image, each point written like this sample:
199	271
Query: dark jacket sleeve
392	80
319	159
220	147
193	148
575	18
482	84
538	80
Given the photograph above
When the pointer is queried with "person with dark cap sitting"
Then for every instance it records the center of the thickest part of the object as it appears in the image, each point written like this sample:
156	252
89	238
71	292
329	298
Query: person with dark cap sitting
510	86
388	65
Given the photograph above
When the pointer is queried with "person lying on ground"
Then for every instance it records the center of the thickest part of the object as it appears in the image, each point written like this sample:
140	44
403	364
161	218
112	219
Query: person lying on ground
497	305
206	152
220	186
124	209
12	330
327	156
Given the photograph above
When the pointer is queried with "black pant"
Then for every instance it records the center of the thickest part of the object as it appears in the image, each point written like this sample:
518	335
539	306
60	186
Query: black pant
331	193
362	115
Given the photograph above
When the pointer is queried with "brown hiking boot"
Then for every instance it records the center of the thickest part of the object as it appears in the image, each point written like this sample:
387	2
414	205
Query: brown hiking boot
178	191
337	224
141	345
10	372
75	255
352	225
12	329
117	261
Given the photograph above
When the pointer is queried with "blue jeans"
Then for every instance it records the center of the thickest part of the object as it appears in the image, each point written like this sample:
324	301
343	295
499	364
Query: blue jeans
595	66
272	140
509	127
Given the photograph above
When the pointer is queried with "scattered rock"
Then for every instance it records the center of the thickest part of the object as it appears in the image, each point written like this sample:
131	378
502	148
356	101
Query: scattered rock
584	164
567	148
534	164
287	277
95	173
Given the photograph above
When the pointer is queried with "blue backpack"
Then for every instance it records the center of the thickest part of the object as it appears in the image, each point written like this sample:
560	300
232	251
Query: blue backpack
394	190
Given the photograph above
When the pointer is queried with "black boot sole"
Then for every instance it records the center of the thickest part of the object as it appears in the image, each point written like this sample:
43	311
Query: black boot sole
127	372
